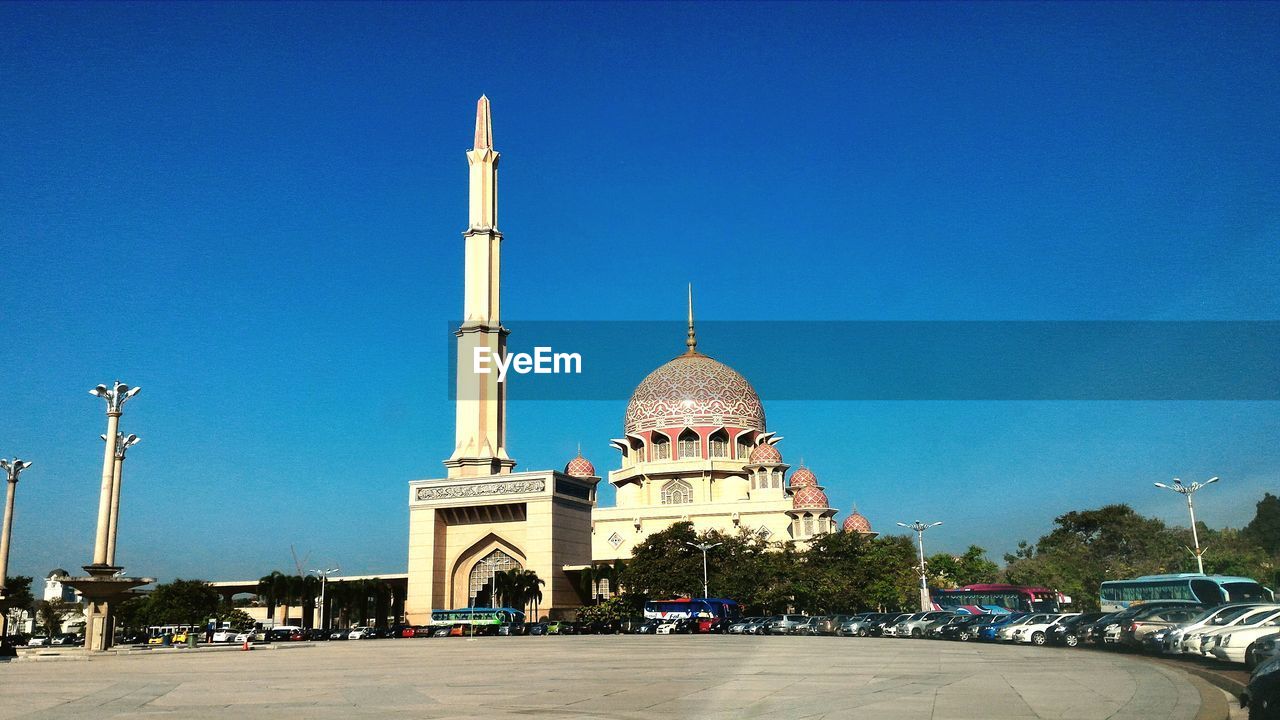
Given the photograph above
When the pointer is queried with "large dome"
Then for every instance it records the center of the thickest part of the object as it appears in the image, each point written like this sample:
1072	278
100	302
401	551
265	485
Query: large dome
694	389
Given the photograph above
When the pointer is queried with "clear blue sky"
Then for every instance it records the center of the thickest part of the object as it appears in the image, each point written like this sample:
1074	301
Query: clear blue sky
253	211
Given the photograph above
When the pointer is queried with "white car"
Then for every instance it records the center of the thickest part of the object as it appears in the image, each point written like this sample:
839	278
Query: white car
360	632
1208	620
224	635
1202	642
1005	634
1232	645
1036	631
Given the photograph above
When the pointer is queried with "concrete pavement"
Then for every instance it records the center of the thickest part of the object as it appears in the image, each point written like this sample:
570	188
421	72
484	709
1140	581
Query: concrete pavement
608	677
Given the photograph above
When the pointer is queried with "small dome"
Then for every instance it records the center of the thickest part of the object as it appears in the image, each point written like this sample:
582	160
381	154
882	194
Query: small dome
803	478
58	572
580	467
765	453
856	523
810	497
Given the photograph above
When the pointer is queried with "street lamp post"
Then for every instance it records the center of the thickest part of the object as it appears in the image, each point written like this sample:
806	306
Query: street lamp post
919	527
123	443
704	547
12	468
324	581
116	396
1188	491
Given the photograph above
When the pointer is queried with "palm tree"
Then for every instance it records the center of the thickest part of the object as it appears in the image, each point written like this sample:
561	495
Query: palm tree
587	578
273	589
50	613
532	585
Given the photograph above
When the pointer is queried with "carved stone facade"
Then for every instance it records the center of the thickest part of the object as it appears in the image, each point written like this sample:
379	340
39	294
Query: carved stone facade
508	487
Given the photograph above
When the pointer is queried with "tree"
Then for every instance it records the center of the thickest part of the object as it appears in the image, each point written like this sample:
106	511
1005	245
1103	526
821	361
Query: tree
663	564
183	602
273	589
1264	529
531	589
949	571
17	593
50	613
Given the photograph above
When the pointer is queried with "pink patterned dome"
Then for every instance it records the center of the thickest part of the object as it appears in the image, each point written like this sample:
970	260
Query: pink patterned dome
765	453
856	523
694	389
580	467
810	498
803	478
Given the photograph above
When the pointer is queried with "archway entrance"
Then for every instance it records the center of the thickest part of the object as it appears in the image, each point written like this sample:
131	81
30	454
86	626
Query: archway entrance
480	581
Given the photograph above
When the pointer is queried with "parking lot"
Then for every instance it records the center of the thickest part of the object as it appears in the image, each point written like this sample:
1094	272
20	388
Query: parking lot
695	676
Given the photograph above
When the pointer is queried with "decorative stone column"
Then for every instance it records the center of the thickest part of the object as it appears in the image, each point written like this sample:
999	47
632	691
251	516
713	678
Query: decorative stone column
104	585
12	468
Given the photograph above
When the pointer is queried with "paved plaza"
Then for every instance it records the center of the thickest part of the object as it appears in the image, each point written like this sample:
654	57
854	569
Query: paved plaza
606	677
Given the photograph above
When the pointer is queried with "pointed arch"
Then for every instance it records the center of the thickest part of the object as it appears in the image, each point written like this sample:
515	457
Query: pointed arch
460	570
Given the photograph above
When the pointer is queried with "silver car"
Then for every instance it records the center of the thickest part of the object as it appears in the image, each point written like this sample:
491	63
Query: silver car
784	624
914	626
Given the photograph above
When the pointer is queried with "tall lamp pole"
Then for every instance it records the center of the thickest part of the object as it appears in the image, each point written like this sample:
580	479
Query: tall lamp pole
1188	491
116	396
324	581
704	547
919	527
12	468
123	443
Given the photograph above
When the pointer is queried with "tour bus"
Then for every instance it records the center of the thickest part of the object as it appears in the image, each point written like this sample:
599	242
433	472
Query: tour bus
704	611
999	598
1209	590
480	621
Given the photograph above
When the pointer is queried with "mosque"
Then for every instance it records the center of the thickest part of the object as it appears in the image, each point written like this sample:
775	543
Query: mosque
695	447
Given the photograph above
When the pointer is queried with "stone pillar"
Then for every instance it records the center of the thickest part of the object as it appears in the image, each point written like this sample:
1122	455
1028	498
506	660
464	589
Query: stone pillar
104	497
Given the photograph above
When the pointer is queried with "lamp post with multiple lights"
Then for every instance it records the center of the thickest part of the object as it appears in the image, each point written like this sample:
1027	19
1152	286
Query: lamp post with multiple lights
919	527
116	396
704	547
123	443
1188	491
324	581
12	468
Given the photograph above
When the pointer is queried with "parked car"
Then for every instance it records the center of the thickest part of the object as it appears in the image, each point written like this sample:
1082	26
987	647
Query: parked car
990	631
808	627
914	626
225	635
1135	630
1209	638
962	627
511	628
1005	633
1189	639
1262	695
360	632
783	624
861	625
1036	630
676	627
1068	632
38	641
830	624
68	640
1234	645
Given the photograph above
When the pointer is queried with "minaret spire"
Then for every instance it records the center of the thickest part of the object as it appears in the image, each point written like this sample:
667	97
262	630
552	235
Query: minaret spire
692	340
484	125
481	402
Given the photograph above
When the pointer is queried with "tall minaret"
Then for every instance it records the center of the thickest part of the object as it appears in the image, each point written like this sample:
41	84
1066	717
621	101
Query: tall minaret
481	403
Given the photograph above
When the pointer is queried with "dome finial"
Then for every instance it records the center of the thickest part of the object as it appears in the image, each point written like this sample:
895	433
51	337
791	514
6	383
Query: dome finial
692	340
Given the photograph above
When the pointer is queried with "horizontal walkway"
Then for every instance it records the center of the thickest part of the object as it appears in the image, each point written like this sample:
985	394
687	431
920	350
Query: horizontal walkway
609	677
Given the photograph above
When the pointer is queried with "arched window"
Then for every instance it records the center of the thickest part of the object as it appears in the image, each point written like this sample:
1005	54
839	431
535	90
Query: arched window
661	447
777	477
479	583
744	449
637	452
689	443
808	525
677	492
718	444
